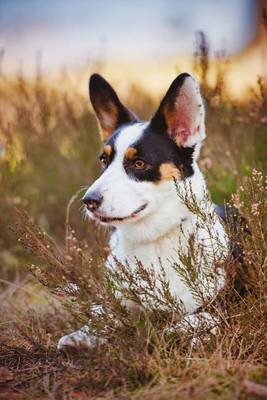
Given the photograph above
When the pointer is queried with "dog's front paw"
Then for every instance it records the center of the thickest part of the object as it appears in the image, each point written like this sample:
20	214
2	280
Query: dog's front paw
78	339
200	326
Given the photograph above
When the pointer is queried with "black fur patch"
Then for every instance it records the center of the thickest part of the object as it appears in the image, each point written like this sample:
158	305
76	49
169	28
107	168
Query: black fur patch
104	99
111	142
156	148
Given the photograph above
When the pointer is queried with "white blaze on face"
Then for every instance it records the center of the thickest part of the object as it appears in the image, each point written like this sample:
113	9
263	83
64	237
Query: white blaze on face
122	195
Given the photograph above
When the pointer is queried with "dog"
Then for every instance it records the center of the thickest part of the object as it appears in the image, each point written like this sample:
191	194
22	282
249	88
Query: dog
143	163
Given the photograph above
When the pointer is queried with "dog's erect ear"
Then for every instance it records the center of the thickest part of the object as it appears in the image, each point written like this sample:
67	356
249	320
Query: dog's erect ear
108	108
181	112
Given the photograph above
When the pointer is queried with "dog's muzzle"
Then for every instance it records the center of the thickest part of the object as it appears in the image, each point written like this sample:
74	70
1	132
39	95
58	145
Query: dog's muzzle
93	200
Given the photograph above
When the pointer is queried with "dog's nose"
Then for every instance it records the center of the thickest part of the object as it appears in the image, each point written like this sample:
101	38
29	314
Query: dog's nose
93	200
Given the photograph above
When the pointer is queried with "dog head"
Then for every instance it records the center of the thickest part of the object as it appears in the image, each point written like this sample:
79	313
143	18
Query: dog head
140	159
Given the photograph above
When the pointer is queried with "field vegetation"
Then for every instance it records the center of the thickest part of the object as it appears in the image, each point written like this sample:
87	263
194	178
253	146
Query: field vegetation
48	147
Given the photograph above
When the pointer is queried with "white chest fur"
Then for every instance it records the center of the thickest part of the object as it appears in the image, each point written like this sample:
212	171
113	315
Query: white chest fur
164	251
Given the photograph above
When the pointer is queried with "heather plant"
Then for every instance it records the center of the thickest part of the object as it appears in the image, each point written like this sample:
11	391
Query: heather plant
53	275
141	348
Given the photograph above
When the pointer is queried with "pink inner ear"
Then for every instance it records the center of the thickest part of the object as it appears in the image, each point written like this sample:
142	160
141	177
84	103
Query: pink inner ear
180	128
182	134
181	121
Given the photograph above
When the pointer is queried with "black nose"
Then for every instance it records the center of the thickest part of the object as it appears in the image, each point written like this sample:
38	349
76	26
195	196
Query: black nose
93	200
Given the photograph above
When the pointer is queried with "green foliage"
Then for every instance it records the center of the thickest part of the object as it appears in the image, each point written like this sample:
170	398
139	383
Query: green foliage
48	147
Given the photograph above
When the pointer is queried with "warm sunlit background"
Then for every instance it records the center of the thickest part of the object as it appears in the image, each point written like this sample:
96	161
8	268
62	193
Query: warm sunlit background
143	42
48	49
49	144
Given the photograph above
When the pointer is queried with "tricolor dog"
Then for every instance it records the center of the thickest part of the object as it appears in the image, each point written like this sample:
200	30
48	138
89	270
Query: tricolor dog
136	193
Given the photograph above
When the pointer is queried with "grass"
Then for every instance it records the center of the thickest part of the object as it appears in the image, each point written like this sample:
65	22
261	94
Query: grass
48	142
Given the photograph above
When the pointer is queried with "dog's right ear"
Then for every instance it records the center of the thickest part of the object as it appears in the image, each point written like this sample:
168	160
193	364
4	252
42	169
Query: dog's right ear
110	112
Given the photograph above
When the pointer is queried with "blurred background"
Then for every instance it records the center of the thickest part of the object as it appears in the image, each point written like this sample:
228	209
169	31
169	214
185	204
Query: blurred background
49	144
48	133
143	41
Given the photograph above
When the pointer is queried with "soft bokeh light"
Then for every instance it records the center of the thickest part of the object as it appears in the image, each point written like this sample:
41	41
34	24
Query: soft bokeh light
68	31
145	42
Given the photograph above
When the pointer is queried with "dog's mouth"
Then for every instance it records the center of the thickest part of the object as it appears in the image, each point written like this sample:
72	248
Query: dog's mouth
103	218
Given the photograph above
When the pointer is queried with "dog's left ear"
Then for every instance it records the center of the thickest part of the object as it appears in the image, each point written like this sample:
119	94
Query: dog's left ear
110	112
181	112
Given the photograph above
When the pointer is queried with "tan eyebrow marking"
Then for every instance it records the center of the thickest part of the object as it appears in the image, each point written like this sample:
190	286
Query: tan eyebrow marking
107	150
169	171
130	152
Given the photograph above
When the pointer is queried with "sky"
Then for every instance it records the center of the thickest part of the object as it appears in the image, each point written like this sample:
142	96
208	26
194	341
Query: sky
73	33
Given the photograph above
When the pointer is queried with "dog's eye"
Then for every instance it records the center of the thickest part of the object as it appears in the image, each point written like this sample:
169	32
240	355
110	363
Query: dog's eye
104	161
139	164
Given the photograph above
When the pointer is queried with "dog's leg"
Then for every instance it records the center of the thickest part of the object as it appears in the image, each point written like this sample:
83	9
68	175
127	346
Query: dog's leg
78	339
83	338
201	320
200	325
